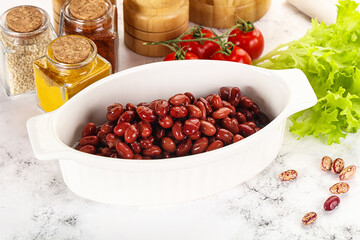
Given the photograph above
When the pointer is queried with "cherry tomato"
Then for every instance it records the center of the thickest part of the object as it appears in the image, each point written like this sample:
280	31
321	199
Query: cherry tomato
203	49
186	56
248	38
233	54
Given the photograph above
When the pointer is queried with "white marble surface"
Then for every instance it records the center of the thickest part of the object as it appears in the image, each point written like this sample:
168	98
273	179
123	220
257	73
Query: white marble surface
35	203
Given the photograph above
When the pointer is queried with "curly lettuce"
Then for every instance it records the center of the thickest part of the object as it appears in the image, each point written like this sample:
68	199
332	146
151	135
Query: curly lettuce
329	55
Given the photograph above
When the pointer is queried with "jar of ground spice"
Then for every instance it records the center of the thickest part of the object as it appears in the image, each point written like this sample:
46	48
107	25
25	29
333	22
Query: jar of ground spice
71	63
25	33
96	20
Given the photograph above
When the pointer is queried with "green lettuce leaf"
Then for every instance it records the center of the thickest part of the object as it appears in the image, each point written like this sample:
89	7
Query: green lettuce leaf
329	55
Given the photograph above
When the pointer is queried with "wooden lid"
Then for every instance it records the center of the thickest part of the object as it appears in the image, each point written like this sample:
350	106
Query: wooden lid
155	22
24	19
71	49
87	9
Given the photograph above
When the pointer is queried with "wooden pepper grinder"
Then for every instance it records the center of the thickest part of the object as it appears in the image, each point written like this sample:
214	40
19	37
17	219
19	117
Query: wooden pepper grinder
153	20
224	13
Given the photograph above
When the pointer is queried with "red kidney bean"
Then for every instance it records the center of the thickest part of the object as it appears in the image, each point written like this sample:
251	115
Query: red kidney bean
178	111
147	142
194	111
179	99
177	131
202	108
184	147
131	134
221	113
166	154
225	136
207	128
191	126
159	133
119	130
245	130
208	108
89	130
246	102
89	140
153	151
216	101
195	136
331	203
111	106
246	113
107	127
250	124
114	155
241	117
88	149
102	137
114	113
166	121
130	106
200	145
256	129
162	108
144	128
211	120
237	137
138	157
214	145
135	146
234	96
168	144
208	98
190	96
106	151
230	124
224	93
262	119
112	140
127	116
146	113
144	104
124	150
232	108
255	109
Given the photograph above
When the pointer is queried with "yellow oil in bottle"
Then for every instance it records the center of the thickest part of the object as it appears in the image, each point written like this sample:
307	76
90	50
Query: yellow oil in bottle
57	82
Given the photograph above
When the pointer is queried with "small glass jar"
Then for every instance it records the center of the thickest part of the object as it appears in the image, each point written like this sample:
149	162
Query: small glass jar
57	5
57	81
102	28
25	33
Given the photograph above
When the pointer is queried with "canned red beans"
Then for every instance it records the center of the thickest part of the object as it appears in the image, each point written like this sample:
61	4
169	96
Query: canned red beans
179	126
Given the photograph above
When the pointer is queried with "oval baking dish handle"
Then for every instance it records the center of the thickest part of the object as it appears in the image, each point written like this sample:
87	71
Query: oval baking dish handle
42	138
302	95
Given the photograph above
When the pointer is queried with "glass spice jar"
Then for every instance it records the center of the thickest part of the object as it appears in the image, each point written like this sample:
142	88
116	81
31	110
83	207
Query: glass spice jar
57	5
71	63
96	20
25	33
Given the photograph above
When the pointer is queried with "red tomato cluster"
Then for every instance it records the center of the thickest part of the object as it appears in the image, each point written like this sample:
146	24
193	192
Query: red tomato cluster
244	44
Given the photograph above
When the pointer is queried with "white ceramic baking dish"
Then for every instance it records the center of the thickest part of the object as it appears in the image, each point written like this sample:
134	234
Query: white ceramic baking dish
279	94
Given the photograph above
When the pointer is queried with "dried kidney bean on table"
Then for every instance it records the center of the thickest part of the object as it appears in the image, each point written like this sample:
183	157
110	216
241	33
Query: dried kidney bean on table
179	126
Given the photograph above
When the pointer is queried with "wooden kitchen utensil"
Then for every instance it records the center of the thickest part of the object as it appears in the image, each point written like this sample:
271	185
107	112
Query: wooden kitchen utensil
224	13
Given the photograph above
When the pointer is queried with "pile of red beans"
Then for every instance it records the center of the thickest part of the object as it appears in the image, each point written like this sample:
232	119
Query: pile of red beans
179	126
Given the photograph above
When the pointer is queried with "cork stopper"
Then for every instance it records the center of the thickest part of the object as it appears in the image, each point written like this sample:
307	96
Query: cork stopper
24	19
87	9
71	49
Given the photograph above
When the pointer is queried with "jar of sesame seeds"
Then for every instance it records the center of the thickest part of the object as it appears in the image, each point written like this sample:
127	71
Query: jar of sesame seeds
25	33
